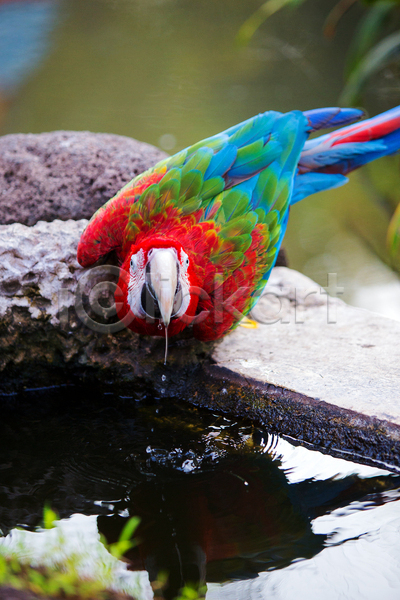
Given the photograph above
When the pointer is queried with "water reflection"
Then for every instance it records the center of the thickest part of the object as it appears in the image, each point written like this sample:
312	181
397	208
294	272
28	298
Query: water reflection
217	499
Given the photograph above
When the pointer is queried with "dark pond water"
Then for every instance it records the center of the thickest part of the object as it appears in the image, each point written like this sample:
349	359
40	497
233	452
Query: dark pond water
220	500
168	72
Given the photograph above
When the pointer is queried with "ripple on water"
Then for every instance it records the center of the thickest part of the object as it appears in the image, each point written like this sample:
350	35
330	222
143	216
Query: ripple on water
218	498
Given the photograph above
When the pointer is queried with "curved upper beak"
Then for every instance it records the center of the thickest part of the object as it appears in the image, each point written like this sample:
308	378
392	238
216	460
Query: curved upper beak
164	279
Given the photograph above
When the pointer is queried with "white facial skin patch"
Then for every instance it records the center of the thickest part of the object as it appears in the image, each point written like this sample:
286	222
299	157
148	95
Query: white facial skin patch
169	280
137	278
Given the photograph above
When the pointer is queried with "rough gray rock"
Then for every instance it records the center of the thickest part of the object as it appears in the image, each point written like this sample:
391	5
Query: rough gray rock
66	174
48	332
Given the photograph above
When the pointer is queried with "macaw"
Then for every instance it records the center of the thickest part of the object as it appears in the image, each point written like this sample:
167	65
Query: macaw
198	234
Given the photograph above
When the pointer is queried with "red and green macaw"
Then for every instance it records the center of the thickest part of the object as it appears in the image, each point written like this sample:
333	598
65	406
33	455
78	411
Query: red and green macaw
198	234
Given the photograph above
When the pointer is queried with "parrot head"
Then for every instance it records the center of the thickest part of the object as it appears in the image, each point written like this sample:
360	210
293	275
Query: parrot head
154	294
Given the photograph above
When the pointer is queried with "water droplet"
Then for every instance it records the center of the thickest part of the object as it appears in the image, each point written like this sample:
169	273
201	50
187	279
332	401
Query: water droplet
159	326
162	390
163	377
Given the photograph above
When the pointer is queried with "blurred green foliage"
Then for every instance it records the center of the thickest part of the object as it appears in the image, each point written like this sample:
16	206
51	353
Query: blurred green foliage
374	46
64	579
125	541
59	581
376	41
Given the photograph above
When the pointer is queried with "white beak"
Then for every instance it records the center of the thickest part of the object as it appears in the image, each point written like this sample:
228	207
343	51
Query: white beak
164	279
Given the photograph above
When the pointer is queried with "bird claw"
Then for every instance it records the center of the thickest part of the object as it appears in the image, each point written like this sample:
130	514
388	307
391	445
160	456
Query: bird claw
248	323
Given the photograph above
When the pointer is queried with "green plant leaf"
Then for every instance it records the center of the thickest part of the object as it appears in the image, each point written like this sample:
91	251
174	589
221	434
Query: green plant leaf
125	541
120	548
49	517
367	33
266	10
129	529
378	57
192	592
393	235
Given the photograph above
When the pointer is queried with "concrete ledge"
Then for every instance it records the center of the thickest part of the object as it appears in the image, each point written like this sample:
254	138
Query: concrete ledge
320	347
332	429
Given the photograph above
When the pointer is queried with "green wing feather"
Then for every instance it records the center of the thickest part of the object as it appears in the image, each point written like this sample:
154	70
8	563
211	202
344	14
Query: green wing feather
238	180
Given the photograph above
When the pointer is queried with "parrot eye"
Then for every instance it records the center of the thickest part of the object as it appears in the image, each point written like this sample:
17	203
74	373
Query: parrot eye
184	259
133	261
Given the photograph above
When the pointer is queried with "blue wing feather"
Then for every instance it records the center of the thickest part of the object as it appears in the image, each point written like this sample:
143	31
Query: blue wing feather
221	162
323	118
310	183
269	154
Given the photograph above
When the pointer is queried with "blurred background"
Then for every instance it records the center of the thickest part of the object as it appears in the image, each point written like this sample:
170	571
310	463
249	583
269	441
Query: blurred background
170	72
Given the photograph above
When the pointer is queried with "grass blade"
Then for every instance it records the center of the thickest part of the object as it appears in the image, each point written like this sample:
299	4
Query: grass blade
266	10
378	57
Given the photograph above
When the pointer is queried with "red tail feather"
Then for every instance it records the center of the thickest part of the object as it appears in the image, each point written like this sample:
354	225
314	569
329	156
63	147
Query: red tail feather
372	129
